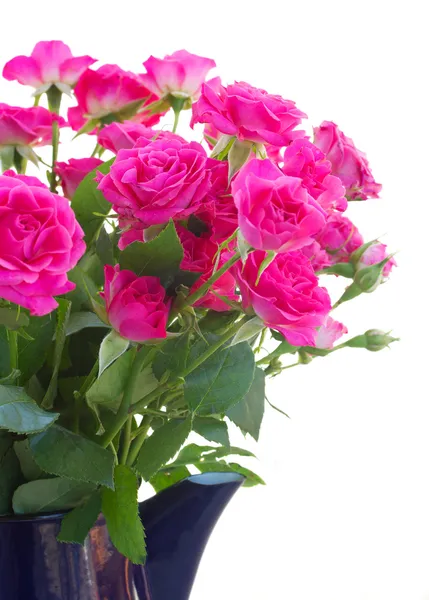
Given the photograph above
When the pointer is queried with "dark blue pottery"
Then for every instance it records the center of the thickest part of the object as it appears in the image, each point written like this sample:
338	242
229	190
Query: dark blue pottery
178	522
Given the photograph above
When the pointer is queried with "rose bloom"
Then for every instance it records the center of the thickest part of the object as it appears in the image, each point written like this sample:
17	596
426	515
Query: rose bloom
329	333
49	63
73	172
275	212
181	74
348	163
304	160
20	127
119	136
339	238
106	91
217	209
318	257
248	113
136	306
287	297
156	181
28	179
40	241
199	257
374	254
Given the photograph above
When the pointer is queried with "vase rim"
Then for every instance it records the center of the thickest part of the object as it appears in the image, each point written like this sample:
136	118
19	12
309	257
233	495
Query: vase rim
30	517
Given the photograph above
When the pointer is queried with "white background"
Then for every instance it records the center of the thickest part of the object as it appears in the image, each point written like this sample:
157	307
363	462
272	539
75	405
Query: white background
345	513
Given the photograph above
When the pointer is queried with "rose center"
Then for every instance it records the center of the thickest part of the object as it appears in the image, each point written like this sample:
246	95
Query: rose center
27	223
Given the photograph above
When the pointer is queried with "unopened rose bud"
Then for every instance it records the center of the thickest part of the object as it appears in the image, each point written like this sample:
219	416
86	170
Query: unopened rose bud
373	340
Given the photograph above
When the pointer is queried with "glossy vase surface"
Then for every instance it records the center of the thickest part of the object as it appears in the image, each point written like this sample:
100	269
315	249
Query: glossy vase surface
178	523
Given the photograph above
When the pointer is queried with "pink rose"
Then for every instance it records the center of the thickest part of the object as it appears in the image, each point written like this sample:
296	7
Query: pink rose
28	179
318	257
348	163
217	209
40	241
156	181
107	91
119	136
248	113
136	306
304	160
329	332
21	127
199	257
73	172
275	212
339	238
180	74
374	254
49	63
287	297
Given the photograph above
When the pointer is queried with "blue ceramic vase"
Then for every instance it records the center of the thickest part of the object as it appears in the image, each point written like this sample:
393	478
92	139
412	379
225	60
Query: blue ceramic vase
178	522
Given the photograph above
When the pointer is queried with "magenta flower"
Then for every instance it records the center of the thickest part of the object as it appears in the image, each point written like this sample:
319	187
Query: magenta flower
119	136
136	306
374	254
181	74
28	179
275	212
248	113
348	163
287	297
304	160
339	238
26	126
156	181
107	91
73	172
40	241
329	332
50	63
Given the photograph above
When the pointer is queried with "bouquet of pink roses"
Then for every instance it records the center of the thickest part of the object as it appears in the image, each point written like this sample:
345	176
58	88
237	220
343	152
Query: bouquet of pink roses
136	306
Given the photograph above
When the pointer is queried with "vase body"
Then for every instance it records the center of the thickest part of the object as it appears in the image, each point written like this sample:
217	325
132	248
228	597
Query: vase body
178	523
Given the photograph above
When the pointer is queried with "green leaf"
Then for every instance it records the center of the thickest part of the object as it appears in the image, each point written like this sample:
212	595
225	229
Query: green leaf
193	454
60	452
12	318
20	414
248	331
4	353
222	380
172	356
218	322
162	446
49	495
249	411
212	430
63	314
221	466
238	156
11	378
111	348
32	353
10	473
342	269
164	479
120	510
76	524
104	248
82	320
161	256
88	200
108	388
30	469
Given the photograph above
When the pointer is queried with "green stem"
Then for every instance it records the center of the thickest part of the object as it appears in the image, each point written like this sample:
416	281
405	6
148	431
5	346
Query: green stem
13	349
123	412
96	150
36	100
139	440
176	120
80	395
127	440
55	144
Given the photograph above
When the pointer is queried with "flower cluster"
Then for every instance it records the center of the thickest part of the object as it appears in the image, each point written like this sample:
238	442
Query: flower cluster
167	265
